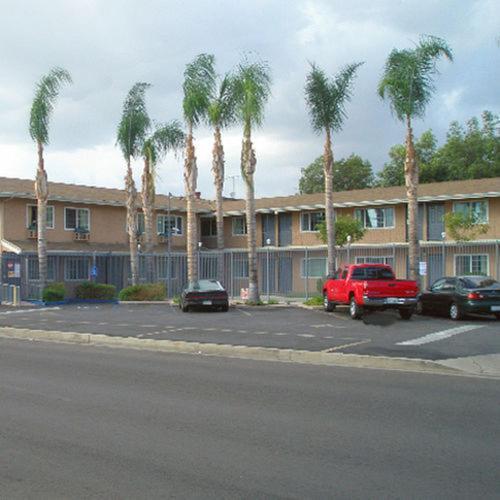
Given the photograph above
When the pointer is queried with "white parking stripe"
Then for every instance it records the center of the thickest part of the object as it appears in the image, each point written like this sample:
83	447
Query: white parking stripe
23	311
444	334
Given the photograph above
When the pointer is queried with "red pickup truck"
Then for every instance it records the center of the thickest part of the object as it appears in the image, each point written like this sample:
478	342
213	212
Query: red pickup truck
370	287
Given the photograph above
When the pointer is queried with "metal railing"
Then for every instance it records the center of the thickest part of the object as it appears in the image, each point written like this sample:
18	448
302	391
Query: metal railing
282	272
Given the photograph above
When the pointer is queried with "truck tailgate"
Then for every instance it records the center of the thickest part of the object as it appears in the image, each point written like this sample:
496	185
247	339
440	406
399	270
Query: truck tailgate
390	288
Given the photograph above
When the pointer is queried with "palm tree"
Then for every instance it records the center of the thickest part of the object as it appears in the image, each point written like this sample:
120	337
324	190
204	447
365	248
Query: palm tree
198	86
252	90
46	93
407	83
131	135
326	100
165	138
220	114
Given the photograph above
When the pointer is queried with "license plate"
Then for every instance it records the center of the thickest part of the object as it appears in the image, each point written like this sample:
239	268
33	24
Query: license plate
392	300
495	308
207	302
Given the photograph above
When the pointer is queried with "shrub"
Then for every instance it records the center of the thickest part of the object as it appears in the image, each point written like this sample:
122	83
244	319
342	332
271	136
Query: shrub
317	300
99	291
54	292
151	291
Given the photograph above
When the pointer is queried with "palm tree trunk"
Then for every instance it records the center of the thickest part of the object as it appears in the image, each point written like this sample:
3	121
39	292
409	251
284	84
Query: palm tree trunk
329	213
42	195
148	200
248	162
132	223
218	173
190	180
411	181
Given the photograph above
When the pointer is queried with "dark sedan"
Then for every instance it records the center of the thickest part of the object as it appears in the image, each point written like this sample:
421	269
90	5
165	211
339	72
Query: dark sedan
207	294
461	295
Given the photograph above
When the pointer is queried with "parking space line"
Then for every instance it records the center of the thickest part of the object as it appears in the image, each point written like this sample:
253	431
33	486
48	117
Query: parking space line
22	311
444	334
306	335
345	346
243	312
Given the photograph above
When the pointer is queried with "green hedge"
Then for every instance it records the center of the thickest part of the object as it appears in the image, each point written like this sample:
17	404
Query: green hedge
97	291
54	292
152	291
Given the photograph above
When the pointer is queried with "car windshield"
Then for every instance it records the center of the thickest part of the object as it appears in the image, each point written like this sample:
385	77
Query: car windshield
205	286
372	273
479	282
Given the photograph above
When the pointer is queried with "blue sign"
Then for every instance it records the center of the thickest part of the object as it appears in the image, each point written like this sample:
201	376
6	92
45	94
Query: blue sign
93	271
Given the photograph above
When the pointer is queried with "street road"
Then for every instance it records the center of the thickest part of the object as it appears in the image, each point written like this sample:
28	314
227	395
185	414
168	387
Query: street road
88	422
285	327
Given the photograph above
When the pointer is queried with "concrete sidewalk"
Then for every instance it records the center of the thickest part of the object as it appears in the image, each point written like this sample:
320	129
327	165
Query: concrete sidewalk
488	364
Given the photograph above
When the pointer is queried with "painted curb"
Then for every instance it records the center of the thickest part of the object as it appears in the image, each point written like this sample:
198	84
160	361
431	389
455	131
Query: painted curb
234	351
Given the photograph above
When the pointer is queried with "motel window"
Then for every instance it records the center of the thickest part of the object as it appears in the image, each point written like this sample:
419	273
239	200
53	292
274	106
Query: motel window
32	220
313	268
77	219
76	268
239	226
140	223
478	209
169	225
388	261
472	265
208	226
375	218
309	221
32	264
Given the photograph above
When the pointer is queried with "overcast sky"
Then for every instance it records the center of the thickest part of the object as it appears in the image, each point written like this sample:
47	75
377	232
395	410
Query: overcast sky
108	45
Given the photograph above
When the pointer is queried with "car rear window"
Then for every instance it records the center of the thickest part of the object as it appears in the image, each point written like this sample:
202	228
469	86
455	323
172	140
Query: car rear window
479	282
372	273
206	286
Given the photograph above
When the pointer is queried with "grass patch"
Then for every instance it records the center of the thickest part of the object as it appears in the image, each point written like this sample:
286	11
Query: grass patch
317	300
150	291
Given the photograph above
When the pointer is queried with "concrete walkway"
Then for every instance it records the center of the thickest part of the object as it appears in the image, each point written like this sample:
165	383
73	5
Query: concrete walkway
488	364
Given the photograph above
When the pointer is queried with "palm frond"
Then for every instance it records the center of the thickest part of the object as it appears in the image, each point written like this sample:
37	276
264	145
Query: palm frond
252	87
408	81
326	98
166	137
135	121
46	93
221	111
199	84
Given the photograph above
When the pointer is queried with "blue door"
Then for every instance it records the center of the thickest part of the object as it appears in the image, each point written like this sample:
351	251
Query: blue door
435	221
285	229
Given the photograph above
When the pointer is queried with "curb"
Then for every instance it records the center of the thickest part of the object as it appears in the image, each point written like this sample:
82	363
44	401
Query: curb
234	351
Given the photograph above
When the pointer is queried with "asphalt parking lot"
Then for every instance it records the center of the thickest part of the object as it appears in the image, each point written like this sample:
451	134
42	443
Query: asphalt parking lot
282	327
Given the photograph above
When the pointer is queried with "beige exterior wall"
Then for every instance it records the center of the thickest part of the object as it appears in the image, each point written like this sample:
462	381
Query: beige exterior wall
107	223
493	217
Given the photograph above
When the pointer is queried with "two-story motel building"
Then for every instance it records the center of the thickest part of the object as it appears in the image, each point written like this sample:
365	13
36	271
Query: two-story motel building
87	236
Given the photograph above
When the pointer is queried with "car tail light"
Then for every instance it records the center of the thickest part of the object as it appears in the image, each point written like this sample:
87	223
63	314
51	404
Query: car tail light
474	296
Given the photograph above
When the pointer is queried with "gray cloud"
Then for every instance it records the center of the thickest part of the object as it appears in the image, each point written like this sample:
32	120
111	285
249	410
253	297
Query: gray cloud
109	45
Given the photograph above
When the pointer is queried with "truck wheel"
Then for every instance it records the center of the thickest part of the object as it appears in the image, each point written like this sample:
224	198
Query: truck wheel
355	311
327	305
455	312
406	314
497	316
185	309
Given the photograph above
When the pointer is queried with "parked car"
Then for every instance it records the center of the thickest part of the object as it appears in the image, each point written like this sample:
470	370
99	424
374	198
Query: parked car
459	295
207	294
370	287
